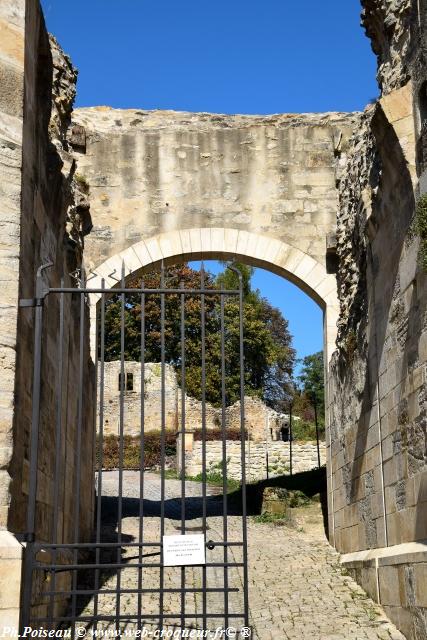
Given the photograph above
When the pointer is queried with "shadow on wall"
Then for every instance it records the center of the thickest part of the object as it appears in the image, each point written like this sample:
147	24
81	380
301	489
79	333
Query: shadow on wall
391	220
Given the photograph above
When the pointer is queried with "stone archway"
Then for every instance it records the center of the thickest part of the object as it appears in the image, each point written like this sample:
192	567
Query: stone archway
216	243
253	248
164	184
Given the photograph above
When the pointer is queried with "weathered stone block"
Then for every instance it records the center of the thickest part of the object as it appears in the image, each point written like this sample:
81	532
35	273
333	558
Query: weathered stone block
275	502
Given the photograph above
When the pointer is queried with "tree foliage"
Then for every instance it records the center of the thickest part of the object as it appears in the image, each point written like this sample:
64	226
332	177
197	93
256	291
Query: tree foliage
269	356
312	381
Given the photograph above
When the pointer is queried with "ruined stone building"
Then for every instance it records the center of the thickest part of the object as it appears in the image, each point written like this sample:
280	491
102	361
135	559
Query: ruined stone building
261	421
327	201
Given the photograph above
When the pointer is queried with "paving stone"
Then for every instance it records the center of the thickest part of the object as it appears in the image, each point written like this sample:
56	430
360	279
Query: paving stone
296	588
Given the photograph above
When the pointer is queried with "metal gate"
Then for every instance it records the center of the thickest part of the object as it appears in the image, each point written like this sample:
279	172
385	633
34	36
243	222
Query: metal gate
125	574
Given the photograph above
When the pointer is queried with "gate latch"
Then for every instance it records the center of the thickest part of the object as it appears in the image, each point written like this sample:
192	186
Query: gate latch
31	302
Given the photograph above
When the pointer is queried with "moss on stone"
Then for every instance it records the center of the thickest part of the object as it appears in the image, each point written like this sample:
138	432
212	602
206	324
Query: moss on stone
82	182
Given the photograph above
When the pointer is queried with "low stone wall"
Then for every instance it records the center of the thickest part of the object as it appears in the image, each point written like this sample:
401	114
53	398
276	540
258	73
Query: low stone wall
304	458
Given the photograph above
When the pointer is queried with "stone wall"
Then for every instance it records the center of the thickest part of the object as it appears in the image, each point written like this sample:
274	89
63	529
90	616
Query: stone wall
377	383
393	28
132	398
155	171
304	458
43	219
12	44
261	422
173	186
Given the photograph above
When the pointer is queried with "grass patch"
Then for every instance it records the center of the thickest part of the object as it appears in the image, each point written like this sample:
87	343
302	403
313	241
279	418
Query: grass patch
213	477
216	479
171	474
82	182
263	518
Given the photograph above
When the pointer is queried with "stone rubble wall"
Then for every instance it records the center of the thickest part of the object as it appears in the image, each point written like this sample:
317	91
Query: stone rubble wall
12	45
304	458
393	27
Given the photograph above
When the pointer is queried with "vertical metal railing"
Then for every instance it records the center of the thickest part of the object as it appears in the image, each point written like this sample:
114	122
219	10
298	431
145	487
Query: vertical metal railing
100	345
78	452
103	557
203	394
183	436
162	443
58	455
243	453
142	460
291	440
121	445
224	463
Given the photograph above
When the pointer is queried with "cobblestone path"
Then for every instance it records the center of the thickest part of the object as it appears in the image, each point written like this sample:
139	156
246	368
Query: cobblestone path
297	590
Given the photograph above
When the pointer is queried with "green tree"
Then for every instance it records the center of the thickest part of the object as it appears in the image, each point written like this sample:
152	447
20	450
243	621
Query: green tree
312	381
267	342
269	355
278	381
229	279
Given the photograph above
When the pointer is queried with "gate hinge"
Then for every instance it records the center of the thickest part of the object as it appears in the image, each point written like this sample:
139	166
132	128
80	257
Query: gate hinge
31	302
28	537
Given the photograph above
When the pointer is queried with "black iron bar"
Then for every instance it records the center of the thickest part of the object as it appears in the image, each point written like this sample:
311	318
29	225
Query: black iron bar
203	389
243	453
121	441
34	442
142	457
162	446
290	440
121	290
78	449
183	382
121	565
58	443
224	465
38	546
94	442
101	348
316	420
129	618
84	592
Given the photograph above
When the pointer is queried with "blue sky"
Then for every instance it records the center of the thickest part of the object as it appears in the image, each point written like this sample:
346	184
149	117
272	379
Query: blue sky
305	316
226	56
230	56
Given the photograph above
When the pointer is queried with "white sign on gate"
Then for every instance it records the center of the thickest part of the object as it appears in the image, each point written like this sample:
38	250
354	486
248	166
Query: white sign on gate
183	549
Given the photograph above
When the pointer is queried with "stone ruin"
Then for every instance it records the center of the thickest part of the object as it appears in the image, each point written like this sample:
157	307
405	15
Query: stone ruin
261	422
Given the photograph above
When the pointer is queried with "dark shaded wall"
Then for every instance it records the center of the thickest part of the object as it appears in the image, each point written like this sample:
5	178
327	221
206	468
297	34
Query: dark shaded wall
53	220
